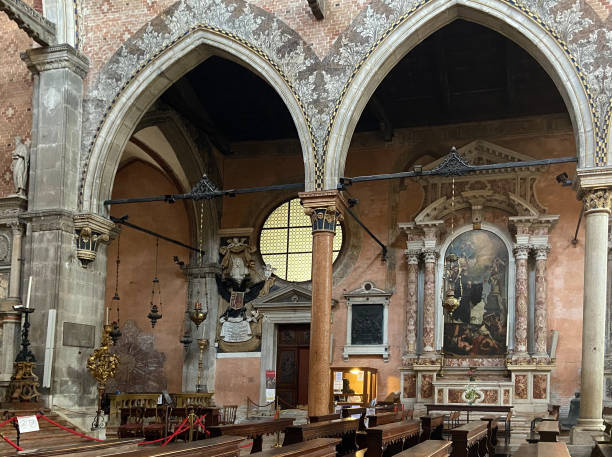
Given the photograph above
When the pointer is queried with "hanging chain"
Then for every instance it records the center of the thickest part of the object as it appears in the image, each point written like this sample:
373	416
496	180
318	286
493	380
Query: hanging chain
118	261
453	208
201	231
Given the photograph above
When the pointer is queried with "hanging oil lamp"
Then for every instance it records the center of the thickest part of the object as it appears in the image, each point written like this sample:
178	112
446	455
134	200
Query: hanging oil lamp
115	332
451	267
155	313
198	315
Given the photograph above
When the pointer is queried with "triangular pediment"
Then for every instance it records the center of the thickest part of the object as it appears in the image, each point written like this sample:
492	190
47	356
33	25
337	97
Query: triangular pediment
285	295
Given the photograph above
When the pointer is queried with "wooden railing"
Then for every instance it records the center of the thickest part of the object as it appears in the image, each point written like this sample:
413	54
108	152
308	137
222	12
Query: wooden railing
183	400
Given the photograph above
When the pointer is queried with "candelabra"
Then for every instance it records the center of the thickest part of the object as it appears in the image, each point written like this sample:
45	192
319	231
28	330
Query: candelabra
102	365
24	383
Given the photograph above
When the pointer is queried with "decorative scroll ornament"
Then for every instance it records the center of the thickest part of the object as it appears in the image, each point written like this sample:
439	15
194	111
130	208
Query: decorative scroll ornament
205	189
324	219
597	200
90	231
453	165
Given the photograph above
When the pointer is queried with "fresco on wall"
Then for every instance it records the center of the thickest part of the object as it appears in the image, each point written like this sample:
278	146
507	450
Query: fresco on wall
479	278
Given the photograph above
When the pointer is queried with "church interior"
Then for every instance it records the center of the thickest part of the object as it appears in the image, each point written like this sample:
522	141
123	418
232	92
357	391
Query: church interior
305	228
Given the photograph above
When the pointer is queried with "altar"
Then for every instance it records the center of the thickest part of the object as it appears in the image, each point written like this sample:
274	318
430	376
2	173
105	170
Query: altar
489	392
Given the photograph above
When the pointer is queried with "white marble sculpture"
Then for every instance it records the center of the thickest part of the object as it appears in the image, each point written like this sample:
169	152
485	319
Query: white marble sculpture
19	167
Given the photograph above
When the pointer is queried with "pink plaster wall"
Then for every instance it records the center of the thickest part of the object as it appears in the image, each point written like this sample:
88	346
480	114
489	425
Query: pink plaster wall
236	379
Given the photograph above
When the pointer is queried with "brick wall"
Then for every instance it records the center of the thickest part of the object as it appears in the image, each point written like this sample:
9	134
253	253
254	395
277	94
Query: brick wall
15	96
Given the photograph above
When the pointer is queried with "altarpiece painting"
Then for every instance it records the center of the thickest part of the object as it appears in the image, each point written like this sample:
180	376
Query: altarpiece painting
478	275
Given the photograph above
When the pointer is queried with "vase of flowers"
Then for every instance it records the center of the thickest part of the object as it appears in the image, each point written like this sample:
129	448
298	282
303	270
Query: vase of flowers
471	395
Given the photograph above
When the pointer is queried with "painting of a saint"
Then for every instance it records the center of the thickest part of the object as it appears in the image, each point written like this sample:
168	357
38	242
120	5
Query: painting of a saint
479	279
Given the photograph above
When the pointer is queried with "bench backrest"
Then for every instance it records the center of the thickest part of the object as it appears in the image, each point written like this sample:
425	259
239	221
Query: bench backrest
320	447
553	410
384	418
324	417
324	429
382	435
429	448
470	431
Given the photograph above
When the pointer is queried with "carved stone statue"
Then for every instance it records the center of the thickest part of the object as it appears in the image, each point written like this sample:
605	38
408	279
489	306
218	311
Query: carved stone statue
19	167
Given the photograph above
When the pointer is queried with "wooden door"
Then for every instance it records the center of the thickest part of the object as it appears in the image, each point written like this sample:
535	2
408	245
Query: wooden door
292	364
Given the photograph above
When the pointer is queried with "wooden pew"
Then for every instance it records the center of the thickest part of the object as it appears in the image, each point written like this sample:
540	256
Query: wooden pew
429	448
470	439
432	427
343	428
324	417
543	450
95	449
548	431
492	427
320	447
254	430
384	418
392	438
223	446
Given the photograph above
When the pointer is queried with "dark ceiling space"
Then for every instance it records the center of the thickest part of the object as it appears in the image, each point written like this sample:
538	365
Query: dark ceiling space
464	72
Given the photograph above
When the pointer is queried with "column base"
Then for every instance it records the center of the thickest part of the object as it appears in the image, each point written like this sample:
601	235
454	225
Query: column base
583	432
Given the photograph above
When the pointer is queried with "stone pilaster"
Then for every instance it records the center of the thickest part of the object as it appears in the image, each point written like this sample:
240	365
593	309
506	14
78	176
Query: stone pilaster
521	254
412	259
325	209
540	332
429	301
597	203
15	277
202	287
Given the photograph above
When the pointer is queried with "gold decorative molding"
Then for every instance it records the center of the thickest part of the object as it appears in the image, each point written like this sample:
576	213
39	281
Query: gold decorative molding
597	200
324	208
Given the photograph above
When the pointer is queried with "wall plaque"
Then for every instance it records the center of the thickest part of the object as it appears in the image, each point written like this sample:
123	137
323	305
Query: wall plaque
79	335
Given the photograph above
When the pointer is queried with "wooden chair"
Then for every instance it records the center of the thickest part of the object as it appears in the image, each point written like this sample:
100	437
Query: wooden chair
157	428
452	421
228	414
505	426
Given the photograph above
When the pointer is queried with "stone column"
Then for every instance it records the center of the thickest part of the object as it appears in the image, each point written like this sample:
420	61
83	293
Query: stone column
60	281
202	287
412	259
324	209
429	301
596	212
521	254
540	333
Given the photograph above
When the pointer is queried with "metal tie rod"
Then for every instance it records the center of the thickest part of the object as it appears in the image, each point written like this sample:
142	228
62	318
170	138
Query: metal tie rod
123	221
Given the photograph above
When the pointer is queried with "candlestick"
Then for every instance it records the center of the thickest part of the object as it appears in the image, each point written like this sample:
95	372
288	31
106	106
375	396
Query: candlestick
29	292
107	310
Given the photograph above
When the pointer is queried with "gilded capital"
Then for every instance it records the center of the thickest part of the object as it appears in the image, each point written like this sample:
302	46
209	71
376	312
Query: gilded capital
324	209
597	200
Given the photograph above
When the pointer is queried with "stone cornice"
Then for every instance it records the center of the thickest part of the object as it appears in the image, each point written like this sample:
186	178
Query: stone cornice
30	21
50	219
56	57
202	271
592	178
11	208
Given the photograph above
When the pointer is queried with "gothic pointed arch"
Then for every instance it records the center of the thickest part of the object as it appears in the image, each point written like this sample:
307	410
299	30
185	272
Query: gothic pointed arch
163	51
389	29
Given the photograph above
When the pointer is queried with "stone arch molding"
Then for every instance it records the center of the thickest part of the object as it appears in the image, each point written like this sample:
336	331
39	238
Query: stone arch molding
326	97
552	31
162	52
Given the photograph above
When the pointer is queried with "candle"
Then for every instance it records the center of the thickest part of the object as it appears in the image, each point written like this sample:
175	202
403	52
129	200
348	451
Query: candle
107	310
29	292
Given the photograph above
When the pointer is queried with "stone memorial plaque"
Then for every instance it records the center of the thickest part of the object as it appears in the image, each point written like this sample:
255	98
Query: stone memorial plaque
79	335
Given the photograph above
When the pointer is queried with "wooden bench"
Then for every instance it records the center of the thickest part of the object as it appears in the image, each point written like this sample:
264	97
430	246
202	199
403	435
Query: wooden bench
548	431
345	429
429	448
223	446
604	437
452	421
432	427
384	418
320	447
470	439
491	433
94	449
324	417
601	450
543	450
254	430
392	438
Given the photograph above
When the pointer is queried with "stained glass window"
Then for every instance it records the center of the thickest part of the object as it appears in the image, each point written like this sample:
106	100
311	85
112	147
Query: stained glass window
285	242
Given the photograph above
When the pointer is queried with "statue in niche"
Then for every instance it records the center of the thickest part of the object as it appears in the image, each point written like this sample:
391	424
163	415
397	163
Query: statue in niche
19	166
239	326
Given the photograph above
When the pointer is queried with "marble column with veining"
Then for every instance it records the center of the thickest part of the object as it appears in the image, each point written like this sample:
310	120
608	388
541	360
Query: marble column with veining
521	255
412	259
429	301
540	327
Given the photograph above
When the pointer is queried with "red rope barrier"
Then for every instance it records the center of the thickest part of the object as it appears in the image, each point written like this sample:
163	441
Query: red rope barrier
199	421
7	421
247	445
178	431
74	432
11	443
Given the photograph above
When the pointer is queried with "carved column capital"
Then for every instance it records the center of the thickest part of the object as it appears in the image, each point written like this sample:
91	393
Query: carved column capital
597	200
412	256
90	230
430	255
521	251
324	209
16	228
541	252
56	57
